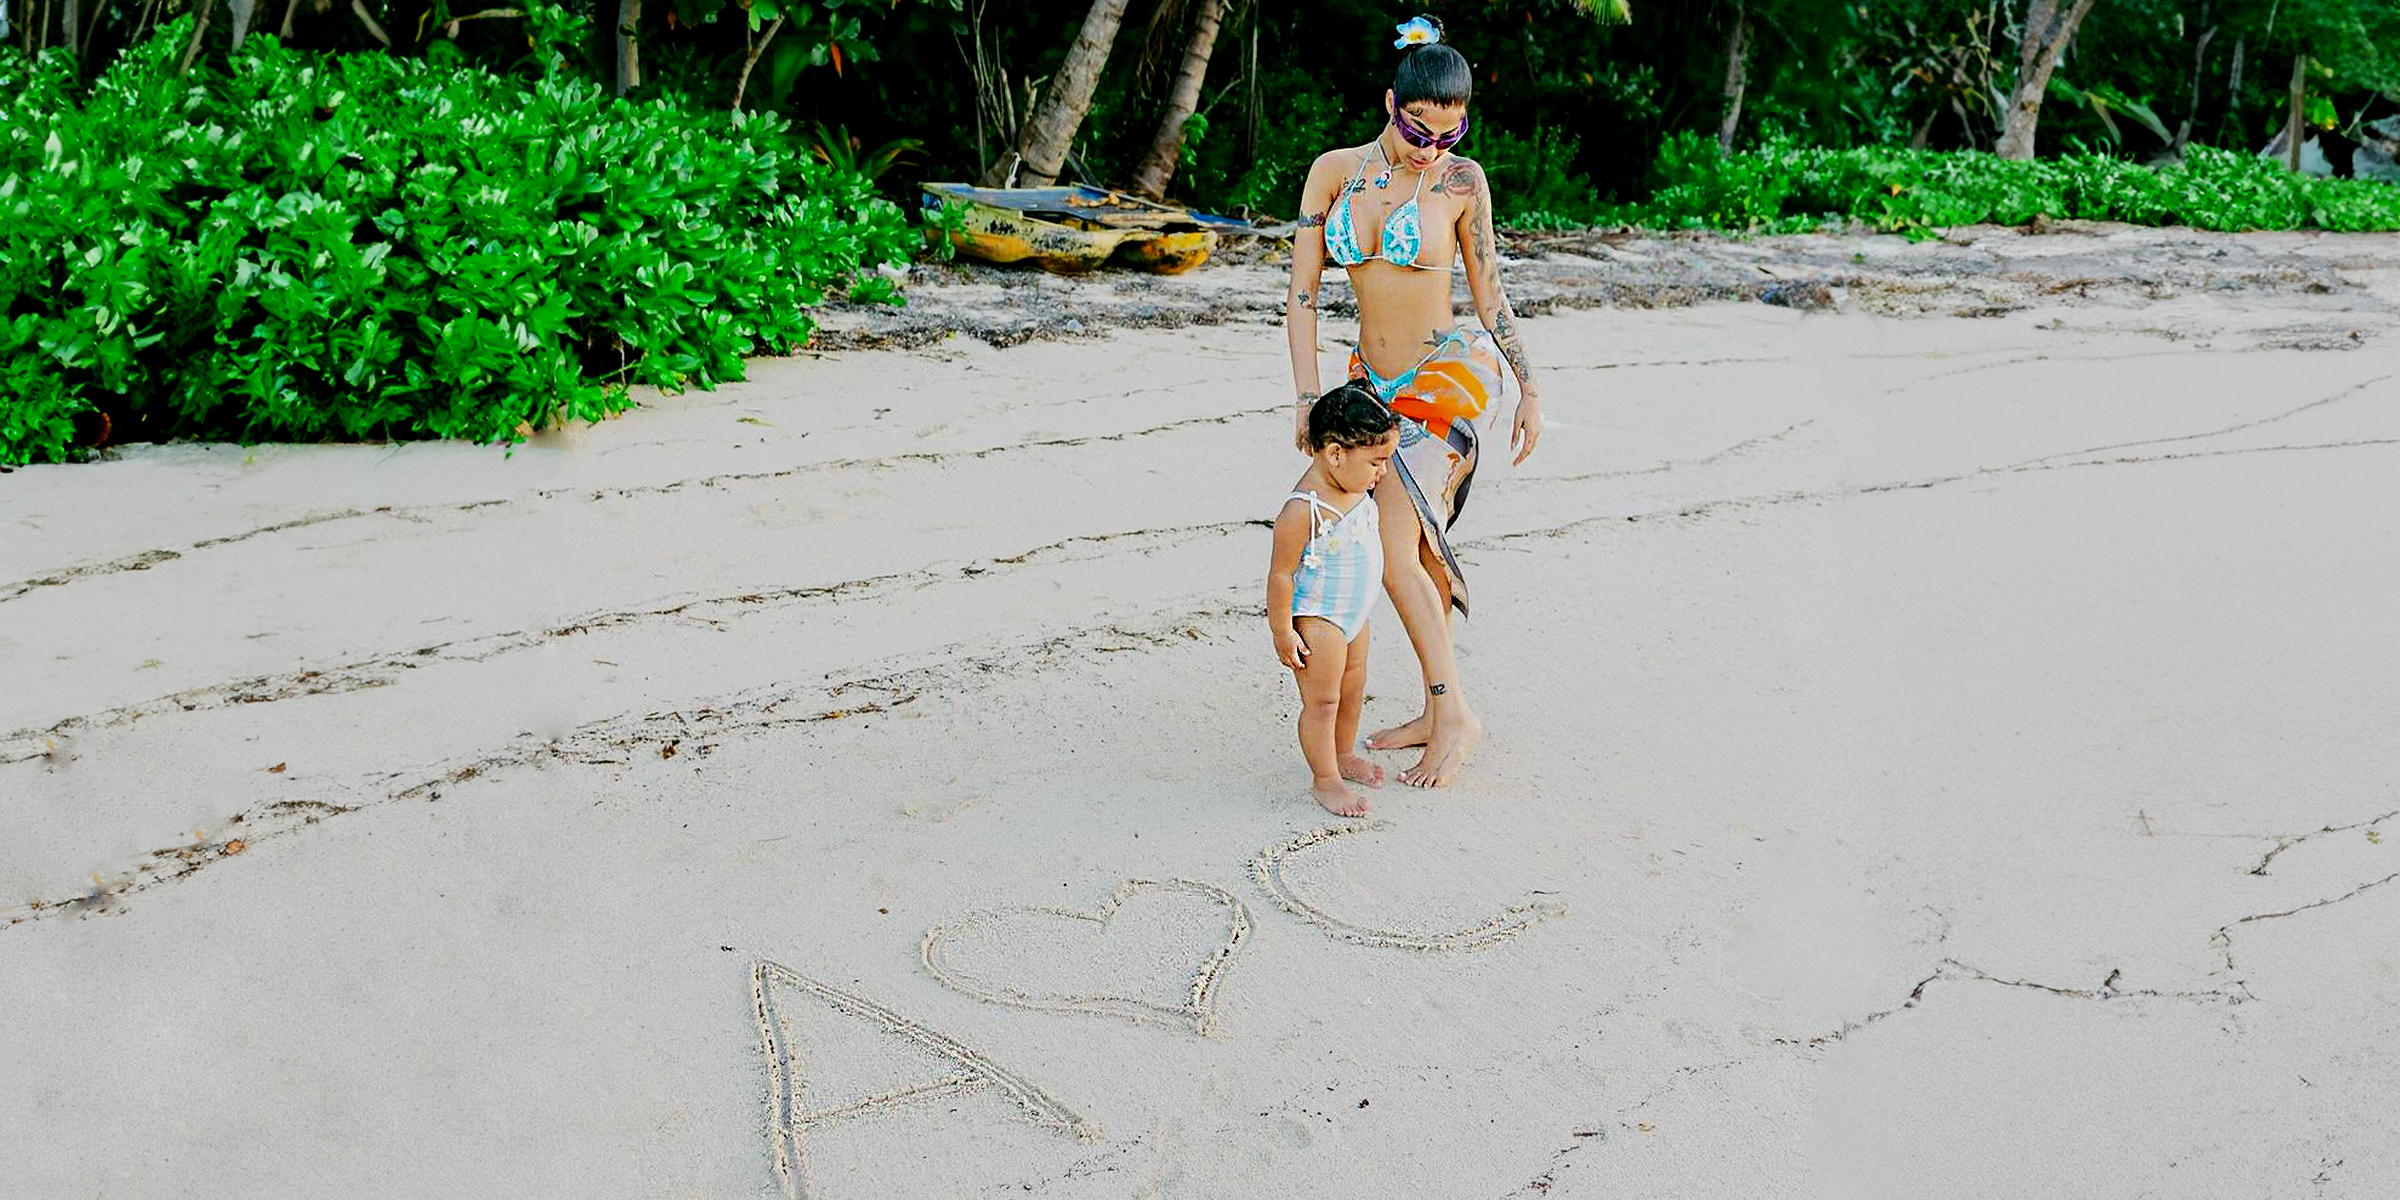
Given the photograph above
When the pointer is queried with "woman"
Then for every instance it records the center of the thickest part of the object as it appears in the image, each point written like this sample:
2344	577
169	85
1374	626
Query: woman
1396	213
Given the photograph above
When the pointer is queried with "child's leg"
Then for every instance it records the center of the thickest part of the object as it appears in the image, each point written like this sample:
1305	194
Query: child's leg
1355	768
1320	709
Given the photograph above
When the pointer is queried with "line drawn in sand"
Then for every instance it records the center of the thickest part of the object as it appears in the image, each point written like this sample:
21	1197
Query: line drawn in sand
788	1121
1268	870
1199	1009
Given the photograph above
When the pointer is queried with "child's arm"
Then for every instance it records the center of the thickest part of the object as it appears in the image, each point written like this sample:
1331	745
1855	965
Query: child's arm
1291	537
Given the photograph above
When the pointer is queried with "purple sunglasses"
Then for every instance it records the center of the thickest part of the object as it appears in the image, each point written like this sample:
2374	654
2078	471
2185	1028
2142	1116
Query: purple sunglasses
1421	139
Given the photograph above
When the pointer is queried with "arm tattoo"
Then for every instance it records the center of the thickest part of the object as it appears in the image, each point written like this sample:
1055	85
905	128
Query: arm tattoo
1304	299
1460	180
1310	220
1504	331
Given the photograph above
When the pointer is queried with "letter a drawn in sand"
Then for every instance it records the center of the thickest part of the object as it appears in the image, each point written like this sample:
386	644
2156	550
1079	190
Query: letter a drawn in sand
1199	1006
771	987
1268	870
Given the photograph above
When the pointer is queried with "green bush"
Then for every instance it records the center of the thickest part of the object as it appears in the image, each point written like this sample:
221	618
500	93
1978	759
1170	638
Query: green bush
1783	187
364	246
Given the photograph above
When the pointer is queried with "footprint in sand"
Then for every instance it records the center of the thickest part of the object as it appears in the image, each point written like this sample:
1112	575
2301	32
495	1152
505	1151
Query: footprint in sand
779	996
1269	870
1179	935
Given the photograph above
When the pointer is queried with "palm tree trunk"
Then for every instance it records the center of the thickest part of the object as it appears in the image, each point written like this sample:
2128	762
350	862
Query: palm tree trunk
1158	166
240	10
1049	130
1737	77
629	49
2045	37
2292	126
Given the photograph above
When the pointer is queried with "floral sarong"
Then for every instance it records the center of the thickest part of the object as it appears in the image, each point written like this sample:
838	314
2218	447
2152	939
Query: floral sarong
1439	401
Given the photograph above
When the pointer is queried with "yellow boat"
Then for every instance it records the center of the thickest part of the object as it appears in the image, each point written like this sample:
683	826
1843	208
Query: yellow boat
1076	229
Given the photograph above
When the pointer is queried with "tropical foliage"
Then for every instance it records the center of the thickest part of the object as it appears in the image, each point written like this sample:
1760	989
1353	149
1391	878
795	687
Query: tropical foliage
1783	187
368	246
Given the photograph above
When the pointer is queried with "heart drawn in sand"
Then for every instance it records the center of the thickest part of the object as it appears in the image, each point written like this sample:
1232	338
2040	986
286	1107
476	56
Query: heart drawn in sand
1198	1004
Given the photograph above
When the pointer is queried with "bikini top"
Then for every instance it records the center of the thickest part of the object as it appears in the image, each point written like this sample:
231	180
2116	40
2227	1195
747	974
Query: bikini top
1403	230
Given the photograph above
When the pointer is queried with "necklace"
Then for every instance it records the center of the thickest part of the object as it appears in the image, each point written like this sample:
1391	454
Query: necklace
1383	180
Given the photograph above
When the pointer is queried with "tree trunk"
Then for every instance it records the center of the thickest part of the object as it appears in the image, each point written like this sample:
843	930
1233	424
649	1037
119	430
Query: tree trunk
629	49
240	11
1041	145
2191	110
750	58
2292	125
2044	38
191	49
1737	77
1158	166
72	26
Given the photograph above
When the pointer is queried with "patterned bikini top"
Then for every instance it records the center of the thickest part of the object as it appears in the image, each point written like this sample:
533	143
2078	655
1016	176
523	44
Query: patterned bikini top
1403	230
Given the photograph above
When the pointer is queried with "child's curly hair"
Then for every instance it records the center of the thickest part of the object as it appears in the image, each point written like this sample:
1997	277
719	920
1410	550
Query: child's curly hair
1349	415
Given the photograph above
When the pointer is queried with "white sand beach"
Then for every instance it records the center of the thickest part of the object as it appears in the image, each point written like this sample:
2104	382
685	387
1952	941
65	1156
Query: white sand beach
1931	755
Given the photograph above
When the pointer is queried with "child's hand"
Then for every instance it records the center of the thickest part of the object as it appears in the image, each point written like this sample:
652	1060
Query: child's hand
1290	649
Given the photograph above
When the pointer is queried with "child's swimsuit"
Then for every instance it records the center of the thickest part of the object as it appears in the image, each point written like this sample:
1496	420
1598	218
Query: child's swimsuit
1342	567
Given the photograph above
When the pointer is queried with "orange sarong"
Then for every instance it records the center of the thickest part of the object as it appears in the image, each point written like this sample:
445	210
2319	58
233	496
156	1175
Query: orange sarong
1438	402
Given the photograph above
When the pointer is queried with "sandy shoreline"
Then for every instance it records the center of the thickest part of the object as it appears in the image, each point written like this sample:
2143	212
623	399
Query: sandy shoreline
1939	738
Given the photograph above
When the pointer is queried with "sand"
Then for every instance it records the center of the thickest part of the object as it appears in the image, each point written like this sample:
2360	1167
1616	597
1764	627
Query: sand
1940	746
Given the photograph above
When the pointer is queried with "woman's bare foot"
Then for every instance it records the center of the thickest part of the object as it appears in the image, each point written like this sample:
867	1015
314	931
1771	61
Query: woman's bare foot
1445	754
1338	798
1362	770
1400	737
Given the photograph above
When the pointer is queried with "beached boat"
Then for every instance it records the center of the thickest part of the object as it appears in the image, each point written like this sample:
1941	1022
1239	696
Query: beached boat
1076	229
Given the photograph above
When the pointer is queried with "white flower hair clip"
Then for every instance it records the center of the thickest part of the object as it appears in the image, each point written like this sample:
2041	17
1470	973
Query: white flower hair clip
1416	31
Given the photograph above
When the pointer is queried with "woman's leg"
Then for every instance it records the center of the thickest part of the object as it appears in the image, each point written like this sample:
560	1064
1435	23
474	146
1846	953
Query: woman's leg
1418	730
1452	729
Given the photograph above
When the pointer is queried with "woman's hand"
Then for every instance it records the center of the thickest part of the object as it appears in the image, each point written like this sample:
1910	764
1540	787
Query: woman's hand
1528	428
1289	649
1300	424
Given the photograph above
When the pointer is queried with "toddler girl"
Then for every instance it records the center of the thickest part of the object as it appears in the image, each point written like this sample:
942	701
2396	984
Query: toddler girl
1326	571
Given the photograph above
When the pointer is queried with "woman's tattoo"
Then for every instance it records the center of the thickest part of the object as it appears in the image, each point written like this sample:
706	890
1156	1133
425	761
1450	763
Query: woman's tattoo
1462	179
1310	220
1304	299
1504	331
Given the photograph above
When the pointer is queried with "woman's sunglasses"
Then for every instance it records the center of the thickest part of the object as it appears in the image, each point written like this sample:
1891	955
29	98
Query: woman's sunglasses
1424	138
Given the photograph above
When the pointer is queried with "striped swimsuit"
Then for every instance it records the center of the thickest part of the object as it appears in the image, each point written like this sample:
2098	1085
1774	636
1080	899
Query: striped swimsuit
1342	568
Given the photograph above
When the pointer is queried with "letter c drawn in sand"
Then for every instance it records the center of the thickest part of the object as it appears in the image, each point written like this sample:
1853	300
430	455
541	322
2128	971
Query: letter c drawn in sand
788	1121
1198	1009
1268	868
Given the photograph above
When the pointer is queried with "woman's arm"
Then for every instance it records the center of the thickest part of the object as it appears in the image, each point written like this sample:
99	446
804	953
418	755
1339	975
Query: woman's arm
1308	274
1482	253
1291	536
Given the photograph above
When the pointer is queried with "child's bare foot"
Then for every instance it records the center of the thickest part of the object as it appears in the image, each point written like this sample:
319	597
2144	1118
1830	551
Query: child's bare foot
1338	799
1413	733
1360	770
